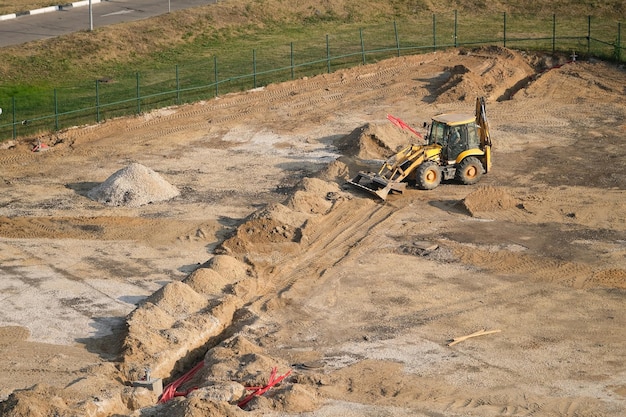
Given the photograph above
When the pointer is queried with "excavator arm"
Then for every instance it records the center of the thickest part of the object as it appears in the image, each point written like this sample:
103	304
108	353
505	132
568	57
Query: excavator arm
483	124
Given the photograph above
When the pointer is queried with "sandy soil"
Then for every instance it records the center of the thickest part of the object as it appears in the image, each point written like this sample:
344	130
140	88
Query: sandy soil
265	259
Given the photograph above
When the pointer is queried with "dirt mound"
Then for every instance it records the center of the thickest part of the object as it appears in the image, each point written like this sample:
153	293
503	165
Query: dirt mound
151	317
460	81
493	72
206	281
228	267
177	299
372	141
335	171
159	346
277	227
40	400
238	359
590	80
281	213
165	321
133	186
260	235
220	385
315	196
194	406
487	199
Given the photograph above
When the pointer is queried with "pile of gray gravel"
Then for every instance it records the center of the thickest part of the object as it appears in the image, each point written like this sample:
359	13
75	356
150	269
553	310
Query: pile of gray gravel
133	186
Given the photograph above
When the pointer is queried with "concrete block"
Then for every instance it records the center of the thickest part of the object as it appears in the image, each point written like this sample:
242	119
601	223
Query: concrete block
154	384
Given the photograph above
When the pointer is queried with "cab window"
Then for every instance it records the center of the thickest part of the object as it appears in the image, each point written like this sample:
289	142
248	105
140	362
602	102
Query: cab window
473	141
437	131
456	141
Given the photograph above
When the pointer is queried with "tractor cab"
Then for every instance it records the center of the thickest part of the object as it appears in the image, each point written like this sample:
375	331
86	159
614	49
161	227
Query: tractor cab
455	133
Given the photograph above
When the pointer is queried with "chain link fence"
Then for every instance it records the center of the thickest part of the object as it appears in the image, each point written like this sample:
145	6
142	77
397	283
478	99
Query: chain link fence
97	100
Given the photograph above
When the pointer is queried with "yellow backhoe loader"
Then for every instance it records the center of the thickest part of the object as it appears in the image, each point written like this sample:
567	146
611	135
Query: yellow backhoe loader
457	146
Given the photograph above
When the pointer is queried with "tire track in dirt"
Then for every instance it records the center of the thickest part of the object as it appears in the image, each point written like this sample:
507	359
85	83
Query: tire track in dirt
528	405
328	246
19	157
100	228
308	97
265	96
533	267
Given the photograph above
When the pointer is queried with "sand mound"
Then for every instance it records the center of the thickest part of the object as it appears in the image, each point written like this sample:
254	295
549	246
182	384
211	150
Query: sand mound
177	299
220	391
238	359
314	197
151	317
241	345
460	81
40	400
206	281
278	227
260	235
281	213
318	187
481	75
582	77
336	171
228	267
373	141
195	406
133	186
487	199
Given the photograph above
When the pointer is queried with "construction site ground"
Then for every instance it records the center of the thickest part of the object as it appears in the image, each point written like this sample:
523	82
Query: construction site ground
359	298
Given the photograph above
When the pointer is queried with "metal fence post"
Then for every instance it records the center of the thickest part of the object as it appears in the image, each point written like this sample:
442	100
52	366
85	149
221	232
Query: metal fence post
395	30
215	74
56	111
327	54
97	101
138	96
456	44
588	34
254	68
14	118
177	86
434	32
619	41
504	36
293	75
553	33
362	46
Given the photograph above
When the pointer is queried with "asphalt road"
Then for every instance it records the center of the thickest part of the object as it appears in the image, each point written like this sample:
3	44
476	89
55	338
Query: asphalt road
73	19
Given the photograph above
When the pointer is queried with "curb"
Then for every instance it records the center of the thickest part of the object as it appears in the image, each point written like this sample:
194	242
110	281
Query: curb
49	9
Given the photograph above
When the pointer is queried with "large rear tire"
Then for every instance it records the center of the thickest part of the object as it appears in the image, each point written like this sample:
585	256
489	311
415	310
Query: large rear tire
470	171
428	176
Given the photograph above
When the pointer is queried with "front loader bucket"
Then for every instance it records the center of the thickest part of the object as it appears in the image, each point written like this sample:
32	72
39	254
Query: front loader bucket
377	185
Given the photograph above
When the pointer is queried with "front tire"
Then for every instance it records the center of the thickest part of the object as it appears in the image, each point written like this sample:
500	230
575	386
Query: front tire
470	171
428	176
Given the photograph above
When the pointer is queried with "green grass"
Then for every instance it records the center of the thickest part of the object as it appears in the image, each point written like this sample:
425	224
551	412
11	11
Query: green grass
186	72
